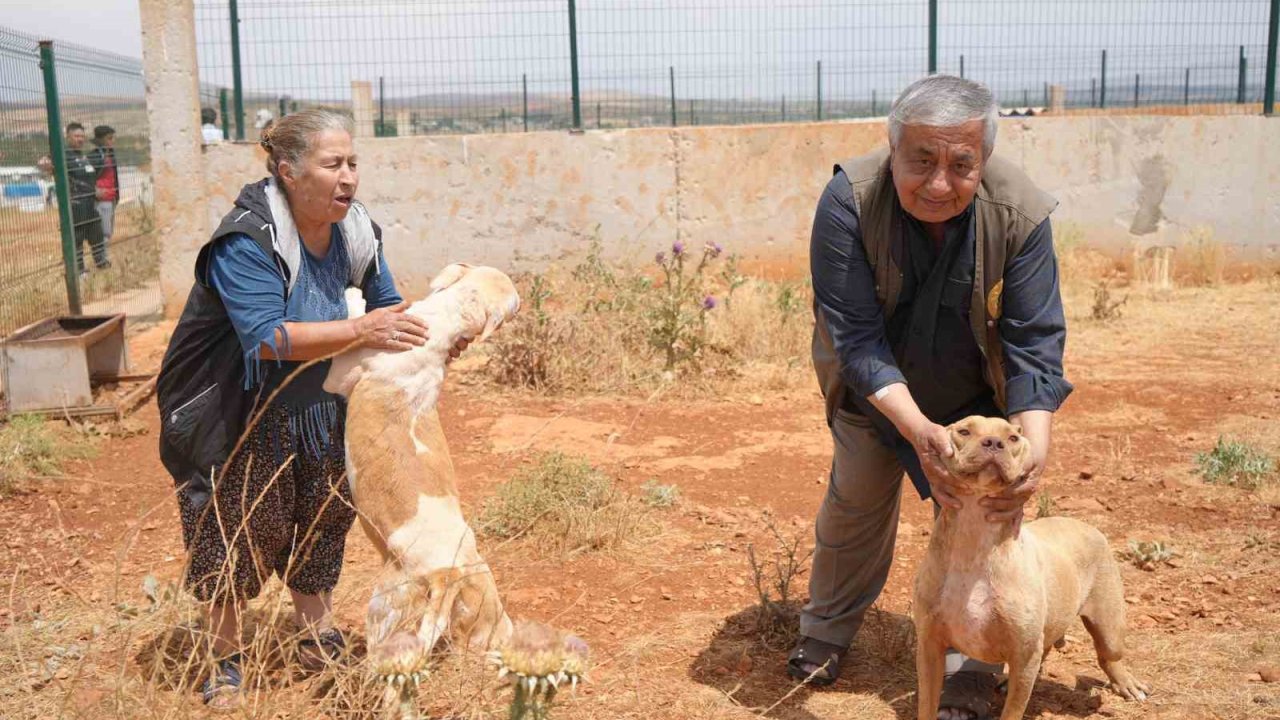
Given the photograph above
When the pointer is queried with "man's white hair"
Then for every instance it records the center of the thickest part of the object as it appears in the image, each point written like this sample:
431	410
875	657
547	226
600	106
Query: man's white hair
945	101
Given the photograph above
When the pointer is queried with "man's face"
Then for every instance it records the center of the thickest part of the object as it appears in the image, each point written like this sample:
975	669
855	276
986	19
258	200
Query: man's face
936	170
75	139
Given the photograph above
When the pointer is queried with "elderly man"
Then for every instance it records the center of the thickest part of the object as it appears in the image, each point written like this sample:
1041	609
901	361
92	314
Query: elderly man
936	297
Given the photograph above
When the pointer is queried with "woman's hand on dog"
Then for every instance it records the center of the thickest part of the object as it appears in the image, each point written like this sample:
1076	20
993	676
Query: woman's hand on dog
391	328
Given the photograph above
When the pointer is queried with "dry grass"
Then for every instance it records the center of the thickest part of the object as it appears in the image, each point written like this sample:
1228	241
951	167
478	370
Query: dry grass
33	448
594	329
565	505
1203	258
149	656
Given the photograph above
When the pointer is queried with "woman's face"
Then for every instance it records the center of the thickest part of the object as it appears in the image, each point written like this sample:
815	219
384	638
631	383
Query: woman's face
321	190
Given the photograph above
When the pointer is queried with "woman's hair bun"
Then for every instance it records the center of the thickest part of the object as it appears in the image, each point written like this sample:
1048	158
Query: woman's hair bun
265	138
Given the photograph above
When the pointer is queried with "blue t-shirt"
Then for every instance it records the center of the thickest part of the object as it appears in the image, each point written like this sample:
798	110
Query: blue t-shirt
258	303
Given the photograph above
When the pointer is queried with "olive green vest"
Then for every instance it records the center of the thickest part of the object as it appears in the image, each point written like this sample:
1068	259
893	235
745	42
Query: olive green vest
1008	206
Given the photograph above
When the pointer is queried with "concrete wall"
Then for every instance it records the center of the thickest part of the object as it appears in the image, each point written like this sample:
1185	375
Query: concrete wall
522	200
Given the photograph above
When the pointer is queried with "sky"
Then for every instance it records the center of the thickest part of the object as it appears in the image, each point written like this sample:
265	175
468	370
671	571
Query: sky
110	25
759	49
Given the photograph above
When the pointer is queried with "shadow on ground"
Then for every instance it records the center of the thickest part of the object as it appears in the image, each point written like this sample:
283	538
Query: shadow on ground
749	668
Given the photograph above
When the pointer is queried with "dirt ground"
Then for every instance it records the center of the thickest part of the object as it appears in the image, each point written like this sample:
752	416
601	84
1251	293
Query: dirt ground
669	621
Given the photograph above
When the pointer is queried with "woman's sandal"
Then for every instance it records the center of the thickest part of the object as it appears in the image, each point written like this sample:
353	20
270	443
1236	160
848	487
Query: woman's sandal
815	662
972	691
222	691
323	649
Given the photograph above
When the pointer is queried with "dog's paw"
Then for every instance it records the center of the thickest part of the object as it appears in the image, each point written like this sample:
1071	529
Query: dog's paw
401	660
1129	687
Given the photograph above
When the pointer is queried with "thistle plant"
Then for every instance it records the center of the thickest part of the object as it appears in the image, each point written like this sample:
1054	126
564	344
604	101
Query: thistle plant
401	663
678	325
536	661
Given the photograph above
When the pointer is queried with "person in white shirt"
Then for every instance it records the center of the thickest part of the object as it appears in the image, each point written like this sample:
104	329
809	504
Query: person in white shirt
209	131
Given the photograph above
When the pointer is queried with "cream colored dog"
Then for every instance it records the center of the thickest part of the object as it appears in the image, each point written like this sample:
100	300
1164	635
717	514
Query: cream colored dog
402	478
1006	597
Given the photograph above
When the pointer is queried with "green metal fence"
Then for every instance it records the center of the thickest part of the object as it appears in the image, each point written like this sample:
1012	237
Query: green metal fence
467	66
76	230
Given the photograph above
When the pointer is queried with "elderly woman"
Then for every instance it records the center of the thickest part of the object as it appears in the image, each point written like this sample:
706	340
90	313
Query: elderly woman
269	296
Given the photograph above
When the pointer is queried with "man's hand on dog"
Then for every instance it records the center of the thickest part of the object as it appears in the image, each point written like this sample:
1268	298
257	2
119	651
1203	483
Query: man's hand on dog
1007	506
932	443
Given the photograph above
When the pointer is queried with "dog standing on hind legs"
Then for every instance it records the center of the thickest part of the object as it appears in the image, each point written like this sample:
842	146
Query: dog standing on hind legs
1004	596
434	581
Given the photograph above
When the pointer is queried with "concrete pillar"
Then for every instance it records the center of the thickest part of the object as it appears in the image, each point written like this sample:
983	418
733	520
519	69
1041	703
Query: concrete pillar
404	122
177	162
362	107
1057	99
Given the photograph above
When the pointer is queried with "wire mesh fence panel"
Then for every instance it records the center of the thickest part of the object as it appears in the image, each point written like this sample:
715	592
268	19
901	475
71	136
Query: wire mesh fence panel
1206	55
407	67
694	62
115	263
116	243
402	66
31	270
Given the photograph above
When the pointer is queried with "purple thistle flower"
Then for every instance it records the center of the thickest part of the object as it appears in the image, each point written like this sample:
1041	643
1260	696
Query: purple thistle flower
709	302
677	248
713	249
660	258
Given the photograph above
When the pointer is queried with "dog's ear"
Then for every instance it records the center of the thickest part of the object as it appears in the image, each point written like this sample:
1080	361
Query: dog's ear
1016	427
448	276
493	320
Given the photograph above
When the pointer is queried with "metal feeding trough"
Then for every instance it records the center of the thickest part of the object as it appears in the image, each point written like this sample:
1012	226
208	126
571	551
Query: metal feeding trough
51	367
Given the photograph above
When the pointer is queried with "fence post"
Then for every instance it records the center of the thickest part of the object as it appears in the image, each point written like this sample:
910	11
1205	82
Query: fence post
61	185
598	125
237	89
1046	94
693	119
819	91
1243	68
672	69
784	108
524	99
226	118
1102	89
1093	92
1137	81
1186	87
1273	36
283	106
382	110
962	66
573	65
873	103
933	36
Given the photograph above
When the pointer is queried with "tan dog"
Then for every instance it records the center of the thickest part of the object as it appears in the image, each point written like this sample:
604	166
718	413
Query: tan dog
402	478
1007	597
